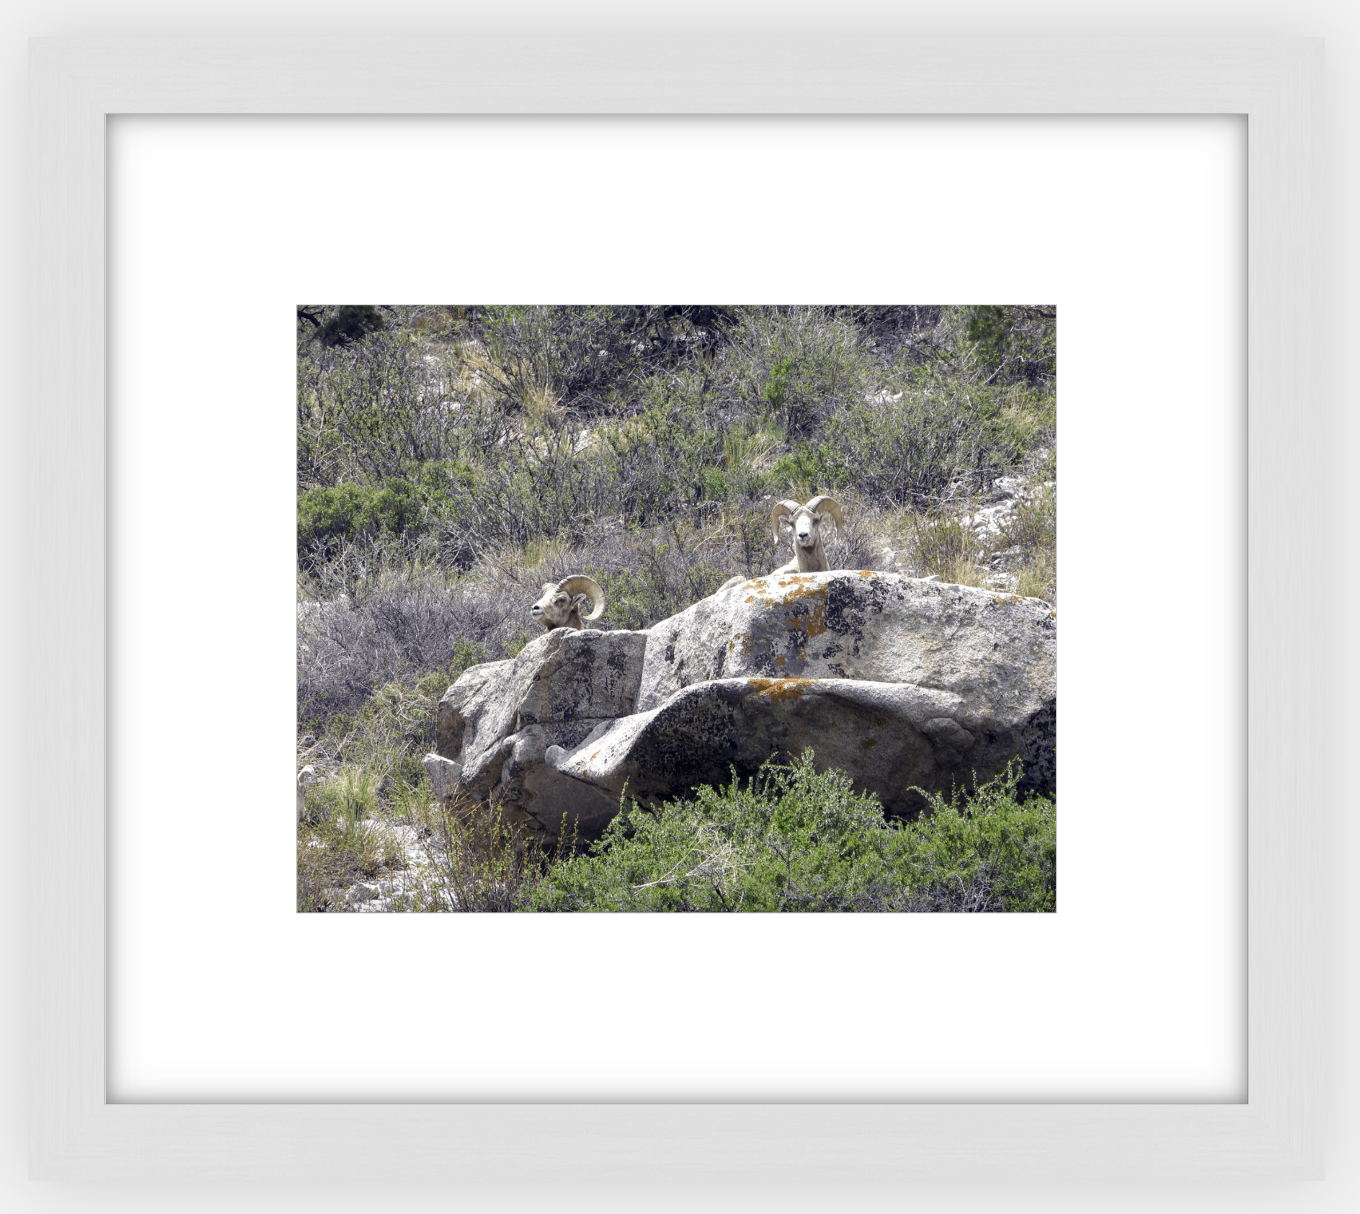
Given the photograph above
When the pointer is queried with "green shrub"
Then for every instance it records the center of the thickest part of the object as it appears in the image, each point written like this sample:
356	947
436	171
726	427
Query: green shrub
327	516
998	850
1014	341
805	472
794	839
796	365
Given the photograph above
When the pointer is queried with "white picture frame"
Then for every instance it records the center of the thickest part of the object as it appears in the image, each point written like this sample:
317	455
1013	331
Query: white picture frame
77	1134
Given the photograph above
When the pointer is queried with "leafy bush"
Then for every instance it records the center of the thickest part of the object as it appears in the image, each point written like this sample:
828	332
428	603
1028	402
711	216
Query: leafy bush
797	366
794	839
327	516
989	850
1014	342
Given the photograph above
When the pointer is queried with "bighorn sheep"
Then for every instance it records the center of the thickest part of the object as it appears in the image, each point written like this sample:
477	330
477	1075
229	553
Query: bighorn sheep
306	777
805	523
560	606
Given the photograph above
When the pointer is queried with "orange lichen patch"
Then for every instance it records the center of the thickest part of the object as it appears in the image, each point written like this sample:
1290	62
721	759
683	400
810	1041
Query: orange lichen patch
592	757
866	573
869	743
778	691
796	587
1052	615
779	661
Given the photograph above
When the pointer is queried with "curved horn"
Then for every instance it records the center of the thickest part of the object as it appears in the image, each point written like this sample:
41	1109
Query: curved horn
829	505
782	510
578	583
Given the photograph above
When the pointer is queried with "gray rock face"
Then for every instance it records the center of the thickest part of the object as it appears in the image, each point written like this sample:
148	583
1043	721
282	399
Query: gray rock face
897	681
443	775
989	648
497	721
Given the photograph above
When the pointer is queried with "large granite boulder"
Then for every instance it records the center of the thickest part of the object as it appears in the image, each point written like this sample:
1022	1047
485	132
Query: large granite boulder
902	683
499	719
990	648
893	738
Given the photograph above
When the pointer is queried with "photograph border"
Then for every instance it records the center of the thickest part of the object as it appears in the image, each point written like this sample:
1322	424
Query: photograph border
77	84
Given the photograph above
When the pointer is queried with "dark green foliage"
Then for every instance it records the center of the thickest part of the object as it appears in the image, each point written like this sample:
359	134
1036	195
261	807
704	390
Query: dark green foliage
994	847
349	511
341	325
794	839
1014	342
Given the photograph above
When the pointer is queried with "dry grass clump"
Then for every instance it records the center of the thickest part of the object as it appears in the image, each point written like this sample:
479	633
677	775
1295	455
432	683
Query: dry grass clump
477	857
340	841
952	542
946	546
1033	529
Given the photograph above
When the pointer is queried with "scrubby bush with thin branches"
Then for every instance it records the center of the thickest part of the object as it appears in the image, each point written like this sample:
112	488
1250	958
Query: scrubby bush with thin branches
795	839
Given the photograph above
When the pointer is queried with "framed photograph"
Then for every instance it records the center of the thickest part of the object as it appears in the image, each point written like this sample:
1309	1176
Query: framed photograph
182	1030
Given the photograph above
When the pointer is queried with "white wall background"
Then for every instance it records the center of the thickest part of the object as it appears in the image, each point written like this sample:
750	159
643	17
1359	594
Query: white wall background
1333	21
1134	991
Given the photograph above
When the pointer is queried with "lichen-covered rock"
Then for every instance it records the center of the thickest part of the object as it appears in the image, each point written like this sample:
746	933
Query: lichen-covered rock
892	738
500	717
991	648
443	775
900	682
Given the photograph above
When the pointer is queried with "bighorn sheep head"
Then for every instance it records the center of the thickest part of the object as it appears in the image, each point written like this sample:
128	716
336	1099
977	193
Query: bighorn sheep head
805	523
560	606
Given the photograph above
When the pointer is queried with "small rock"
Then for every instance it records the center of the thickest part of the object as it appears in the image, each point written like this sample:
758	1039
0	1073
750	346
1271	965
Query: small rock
443	775
360	893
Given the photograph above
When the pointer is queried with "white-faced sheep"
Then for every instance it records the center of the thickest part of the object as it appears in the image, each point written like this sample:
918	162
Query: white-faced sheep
560	606
305	778
805	526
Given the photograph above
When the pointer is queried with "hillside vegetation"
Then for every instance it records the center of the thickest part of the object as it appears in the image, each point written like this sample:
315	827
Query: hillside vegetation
452	458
